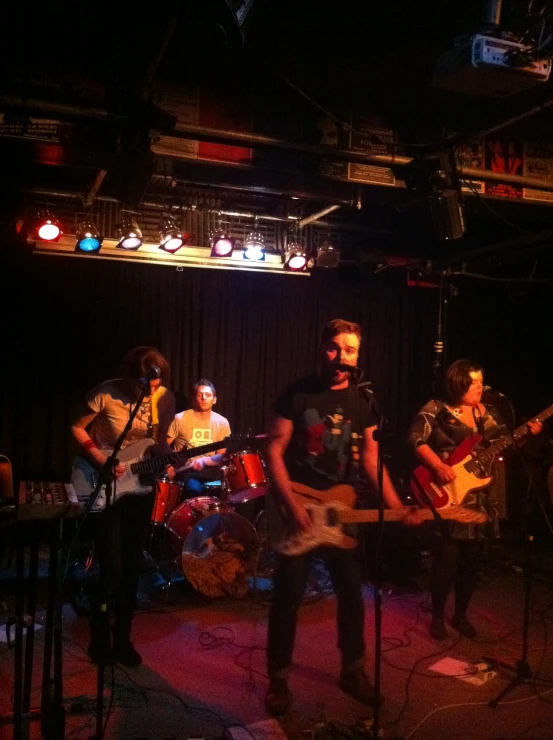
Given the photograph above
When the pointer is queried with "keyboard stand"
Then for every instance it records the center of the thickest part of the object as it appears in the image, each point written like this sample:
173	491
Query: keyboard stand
51	713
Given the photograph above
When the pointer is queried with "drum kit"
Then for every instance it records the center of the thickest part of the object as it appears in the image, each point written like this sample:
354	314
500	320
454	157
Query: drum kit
217	541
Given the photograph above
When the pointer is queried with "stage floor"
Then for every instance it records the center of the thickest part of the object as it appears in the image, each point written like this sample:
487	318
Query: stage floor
204	665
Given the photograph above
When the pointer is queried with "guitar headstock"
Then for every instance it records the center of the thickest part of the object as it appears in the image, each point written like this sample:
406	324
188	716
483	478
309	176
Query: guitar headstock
237	442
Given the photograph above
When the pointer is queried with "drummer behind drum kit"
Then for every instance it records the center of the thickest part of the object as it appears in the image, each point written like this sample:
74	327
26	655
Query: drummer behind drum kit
213	546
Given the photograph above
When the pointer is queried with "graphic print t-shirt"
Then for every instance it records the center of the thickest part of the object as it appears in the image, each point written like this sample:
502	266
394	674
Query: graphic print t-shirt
328	433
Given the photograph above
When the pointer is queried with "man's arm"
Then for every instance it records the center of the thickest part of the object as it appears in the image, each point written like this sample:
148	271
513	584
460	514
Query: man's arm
369	460
87	447
279	436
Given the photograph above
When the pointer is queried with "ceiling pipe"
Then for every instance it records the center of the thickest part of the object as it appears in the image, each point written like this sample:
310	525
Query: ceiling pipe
471	173
93	190
493	249
317	216
62	109
224	136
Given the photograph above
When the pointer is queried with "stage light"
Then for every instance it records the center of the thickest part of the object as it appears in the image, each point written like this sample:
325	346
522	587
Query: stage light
254	247
170	236
222	244
48	227
327	255
89	239
295	257
130	235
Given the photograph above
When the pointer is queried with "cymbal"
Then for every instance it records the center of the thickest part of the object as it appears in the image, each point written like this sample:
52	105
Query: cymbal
261	436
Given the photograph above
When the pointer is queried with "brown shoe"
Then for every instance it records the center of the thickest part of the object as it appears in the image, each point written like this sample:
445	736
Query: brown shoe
278	698
355	682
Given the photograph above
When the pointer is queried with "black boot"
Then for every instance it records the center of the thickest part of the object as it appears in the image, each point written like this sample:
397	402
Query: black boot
100	648
125	652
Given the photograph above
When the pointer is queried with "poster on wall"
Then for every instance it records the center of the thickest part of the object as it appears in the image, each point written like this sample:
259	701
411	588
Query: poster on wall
326	130
471	154
195	107
183	103
369	135
504	156
538	162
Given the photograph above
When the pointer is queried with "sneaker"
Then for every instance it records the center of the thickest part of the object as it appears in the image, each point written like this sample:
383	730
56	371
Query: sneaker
101	654
127	655
463	626
355	682
278	697
437	629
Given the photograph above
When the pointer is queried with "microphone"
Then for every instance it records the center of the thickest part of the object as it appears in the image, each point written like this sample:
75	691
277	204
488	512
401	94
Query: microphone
489	388
152	374
353	370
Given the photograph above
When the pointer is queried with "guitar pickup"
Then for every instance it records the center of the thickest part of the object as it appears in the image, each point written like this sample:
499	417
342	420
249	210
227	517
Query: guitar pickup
332	517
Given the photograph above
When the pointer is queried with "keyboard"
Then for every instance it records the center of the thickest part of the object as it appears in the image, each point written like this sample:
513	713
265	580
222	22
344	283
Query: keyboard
47	500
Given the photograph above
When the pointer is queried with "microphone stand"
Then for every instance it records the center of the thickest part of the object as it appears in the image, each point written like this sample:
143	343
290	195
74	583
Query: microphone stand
370	398
521	669
107	478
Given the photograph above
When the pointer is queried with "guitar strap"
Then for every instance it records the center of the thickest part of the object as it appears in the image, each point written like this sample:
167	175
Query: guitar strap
478	421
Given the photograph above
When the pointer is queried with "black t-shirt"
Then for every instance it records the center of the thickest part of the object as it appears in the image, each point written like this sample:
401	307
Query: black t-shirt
328	432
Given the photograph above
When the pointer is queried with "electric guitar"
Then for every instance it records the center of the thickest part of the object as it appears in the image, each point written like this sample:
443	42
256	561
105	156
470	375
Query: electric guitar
138	466
472	468
329	510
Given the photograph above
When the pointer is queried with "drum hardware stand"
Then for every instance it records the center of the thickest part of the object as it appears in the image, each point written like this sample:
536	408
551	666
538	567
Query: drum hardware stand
106	477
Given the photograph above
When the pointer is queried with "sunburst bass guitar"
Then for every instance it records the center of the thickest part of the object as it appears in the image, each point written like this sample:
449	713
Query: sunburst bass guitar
329	511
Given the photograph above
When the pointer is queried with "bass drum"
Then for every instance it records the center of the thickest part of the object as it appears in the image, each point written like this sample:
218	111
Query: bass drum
216	548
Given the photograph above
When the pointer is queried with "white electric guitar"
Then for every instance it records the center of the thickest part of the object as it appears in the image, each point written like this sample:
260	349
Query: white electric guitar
329	511
139	468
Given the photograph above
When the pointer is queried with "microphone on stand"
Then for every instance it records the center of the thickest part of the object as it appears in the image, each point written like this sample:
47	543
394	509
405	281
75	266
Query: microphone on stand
489	388
353	370
152	374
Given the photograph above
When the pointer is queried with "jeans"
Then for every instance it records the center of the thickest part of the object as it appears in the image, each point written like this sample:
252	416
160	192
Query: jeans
290	581
120	561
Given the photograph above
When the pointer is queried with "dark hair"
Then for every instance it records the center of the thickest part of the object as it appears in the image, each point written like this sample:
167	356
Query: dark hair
339	326
457	379
138	361
204	381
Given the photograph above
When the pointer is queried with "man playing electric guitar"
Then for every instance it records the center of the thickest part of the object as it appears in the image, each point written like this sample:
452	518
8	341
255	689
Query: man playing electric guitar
105	413
322	435
437	435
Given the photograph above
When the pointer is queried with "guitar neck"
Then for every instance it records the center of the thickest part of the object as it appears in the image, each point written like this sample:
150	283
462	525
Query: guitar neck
522	431
364	516
155	464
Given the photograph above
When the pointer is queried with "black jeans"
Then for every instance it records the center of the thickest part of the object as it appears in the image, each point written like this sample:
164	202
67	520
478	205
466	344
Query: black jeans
120	558
454	565
290	580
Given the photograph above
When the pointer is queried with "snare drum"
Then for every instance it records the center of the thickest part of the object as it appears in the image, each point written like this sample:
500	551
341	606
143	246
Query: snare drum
168	495
216	548
245	477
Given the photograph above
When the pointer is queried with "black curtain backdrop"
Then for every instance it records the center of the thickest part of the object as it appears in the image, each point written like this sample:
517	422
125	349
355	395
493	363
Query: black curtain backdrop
70	321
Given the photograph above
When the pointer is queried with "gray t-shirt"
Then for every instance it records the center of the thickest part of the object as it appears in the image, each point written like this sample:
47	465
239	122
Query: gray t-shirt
191	429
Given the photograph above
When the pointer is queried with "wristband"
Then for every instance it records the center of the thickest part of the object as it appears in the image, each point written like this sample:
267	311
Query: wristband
89	445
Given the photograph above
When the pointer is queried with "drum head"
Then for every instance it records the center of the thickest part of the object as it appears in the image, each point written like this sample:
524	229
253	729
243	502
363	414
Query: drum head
219	553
